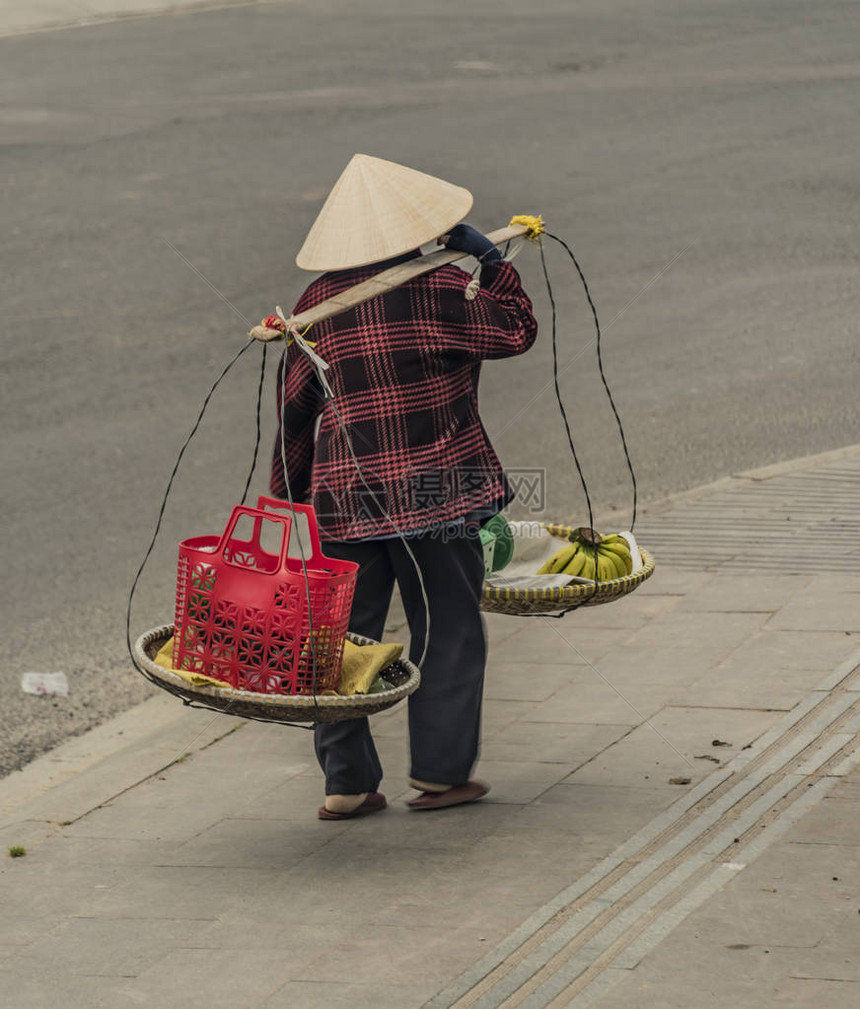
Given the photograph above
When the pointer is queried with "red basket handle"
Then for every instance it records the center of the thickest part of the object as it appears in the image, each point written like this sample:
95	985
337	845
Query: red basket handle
269	504
258	515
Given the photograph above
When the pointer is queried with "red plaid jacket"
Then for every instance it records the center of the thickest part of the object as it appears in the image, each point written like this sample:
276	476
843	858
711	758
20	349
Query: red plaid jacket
404	370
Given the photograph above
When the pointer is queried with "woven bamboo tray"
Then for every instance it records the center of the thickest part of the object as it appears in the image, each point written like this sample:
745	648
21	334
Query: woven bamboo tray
528	602
403	675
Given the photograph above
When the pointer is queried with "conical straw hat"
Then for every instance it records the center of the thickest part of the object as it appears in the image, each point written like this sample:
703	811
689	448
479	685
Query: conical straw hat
377	210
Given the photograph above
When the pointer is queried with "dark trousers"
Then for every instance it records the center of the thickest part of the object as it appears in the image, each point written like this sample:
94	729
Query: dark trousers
445	711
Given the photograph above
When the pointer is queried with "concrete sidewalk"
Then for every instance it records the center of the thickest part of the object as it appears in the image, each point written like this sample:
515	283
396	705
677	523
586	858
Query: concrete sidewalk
17	17
673	821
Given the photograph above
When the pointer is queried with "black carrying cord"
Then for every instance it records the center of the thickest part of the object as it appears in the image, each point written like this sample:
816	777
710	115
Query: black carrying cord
158	521
259	412
569	251
561	407
144	672
557	390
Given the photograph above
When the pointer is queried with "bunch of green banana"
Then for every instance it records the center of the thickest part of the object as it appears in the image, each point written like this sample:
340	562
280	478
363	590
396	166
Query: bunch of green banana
590	555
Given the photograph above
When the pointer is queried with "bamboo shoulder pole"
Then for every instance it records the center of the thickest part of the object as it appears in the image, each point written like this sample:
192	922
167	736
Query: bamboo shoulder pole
393	277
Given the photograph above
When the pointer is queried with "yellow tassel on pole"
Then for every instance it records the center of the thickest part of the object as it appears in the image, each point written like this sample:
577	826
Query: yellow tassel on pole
534	225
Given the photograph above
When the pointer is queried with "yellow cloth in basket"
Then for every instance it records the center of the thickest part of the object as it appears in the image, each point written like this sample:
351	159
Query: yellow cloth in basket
362	664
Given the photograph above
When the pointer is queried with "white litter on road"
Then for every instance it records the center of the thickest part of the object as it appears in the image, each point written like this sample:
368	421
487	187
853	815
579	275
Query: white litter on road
45	683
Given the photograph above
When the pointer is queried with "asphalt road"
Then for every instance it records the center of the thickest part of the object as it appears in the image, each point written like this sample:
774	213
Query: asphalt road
160	174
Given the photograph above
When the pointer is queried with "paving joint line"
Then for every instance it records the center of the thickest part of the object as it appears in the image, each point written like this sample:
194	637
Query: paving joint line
152	775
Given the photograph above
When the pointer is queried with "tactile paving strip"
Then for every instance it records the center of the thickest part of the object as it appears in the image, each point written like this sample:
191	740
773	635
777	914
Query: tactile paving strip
793	523
575	946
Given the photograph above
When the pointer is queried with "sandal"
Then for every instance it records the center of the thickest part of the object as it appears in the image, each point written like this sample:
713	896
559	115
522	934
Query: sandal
470	792
372	804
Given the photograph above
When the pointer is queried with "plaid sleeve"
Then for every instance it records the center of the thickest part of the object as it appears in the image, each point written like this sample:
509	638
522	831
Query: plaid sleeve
299	400
499	322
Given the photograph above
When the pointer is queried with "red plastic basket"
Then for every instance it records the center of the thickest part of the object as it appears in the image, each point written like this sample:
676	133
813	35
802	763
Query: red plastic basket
242	611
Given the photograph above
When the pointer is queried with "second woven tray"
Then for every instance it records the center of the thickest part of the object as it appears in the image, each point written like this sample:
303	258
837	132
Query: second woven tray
525	602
